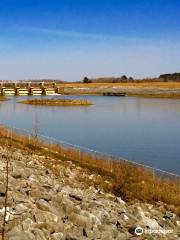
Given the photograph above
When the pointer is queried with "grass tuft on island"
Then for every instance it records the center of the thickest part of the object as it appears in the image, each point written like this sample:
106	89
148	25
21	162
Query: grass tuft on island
58	102
2	98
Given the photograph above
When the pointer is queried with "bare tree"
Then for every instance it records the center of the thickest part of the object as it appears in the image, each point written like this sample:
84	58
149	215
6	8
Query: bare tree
7	160
35	132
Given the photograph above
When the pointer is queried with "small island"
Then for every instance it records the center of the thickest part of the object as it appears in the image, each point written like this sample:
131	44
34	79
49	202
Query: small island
57	102
2	98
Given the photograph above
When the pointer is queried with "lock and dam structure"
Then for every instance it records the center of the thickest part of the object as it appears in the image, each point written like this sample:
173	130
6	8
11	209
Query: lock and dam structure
28	88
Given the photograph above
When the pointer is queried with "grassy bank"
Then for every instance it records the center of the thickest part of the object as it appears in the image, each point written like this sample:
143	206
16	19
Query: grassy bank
57	102
131	182
165	85
126	92
155	95
142	89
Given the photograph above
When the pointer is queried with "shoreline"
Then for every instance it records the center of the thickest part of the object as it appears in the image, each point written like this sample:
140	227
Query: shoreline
142	95
137	89
123	174
148	89
147	92
56	197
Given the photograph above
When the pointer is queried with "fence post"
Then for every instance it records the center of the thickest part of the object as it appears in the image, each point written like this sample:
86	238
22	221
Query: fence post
111	164
153	174
11	134
154	180
84	154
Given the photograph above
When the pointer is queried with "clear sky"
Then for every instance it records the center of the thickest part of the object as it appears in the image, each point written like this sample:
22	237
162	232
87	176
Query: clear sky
70	39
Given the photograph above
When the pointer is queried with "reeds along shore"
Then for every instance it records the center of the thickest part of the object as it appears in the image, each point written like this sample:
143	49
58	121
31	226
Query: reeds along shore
128	180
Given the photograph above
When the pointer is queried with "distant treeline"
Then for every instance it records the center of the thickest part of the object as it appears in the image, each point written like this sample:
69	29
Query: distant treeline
119	80
170	77
124	79
108	79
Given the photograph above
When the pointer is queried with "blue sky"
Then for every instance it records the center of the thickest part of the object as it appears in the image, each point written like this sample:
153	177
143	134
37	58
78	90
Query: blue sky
70	39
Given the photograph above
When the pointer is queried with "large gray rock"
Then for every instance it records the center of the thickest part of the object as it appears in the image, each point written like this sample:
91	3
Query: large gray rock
80	220
57	236
43	205
68	205
20	235
27	224
45	217
39	235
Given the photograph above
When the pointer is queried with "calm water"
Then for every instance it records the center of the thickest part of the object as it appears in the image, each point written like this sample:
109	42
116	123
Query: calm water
140	129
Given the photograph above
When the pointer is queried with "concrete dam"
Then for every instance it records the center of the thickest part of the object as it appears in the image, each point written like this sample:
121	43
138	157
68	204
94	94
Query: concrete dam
25	89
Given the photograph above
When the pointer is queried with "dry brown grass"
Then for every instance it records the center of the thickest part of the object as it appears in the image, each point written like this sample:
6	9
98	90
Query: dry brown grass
171	85
129	181
2	98
134	182
57	102
177	211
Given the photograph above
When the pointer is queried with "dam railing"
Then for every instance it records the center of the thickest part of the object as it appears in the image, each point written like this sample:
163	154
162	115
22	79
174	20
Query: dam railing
82	154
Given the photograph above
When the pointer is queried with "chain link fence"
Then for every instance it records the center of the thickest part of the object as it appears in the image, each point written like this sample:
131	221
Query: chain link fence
84	155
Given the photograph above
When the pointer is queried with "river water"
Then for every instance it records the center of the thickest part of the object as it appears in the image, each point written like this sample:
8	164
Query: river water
141	129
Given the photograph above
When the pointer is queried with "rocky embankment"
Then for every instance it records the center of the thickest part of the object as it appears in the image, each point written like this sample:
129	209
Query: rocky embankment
50	199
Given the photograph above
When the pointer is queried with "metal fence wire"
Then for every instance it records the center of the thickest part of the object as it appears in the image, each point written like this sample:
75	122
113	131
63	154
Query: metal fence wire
79	153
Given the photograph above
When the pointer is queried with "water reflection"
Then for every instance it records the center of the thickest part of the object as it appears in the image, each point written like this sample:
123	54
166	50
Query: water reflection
144	130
